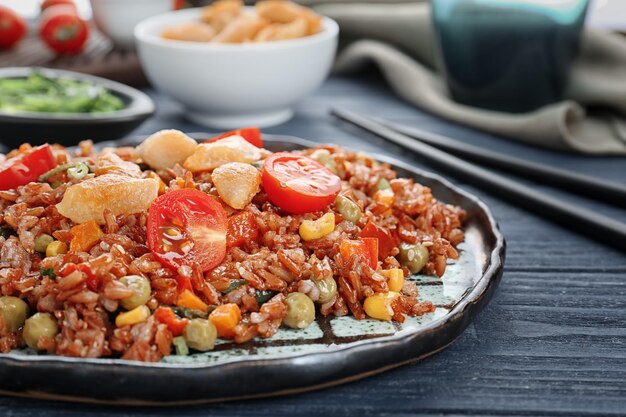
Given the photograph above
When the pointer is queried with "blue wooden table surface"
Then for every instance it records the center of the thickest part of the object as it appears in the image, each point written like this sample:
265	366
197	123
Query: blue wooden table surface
552	342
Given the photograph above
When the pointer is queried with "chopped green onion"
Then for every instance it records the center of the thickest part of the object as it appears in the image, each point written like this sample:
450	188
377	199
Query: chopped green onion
190	313
180	345
78	172
234	285
49	272
77	169
264	296
383	184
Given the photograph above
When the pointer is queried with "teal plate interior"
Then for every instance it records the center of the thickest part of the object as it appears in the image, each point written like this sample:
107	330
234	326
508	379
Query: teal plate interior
331	351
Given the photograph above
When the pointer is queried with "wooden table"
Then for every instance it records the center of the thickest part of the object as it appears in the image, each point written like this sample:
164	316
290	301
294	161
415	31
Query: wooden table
552	342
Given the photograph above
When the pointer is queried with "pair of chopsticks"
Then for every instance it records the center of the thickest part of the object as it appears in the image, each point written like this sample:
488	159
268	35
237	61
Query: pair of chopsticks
438	150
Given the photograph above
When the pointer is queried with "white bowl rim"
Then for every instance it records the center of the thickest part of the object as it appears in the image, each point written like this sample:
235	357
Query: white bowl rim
144	33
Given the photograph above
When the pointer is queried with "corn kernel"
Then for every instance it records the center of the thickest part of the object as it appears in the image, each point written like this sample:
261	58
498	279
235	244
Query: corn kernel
396	278
56	248
317	229
378	306
134	316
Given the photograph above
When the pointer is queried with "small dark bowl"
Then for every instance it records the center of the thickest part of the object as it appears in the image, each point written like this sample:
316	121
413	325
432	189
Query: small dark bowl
70	128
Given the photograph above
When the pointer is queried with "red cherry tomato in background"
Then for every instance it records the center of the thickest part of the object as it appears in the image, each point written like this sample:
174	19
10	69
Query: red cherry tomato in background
12	27
178	4
27	167
63	30
298	184
186	227
250	134
50	3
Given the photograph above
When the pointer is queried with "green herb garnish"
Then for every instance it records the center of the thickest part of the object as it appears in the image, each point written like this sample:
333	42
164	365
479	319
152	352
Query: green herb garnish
234	284
38	93
48	272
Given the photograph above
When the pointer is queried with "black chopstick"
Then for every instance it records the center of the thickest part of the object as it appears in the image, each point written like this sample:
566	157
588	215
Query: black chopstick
584	185
582	220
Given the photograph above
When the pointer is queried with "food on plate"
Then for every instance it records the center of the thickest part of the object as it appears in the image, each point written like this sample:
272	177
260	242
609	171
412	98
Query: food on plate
12	28
227	21
178	244
39	93
62	29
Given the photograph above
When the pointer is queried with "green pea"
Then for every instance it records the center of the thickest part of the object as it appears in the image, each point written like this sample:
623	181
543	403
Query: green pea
38	326
200	334
348	208
141	289
300	311
413	257
327	288
180	346
14	311
323	157
383	184
42	242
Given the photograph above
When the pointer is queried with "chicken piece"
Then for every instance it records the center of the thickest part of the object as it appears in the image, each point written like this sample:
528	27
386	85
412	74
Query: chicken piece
209	156
191	32
282	31
236	183
110	163
279	11
221	13
121	194
243	28
166	148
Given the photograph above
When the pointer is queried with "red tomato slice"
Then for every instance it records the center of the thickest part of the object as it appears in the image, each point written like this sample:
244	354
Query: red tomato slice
242	228
27	167
365	248
12	27
186	227
298	184
386	242
251	134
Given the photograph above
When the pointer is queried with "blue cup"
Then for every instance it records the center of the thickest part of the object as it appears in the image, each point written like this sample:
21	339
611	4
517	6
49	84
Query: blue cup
507	55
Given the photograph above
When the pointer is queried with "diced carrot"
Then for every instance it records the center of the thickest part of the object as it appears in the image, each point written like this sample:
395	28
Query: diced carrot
225	318
85	236
189	300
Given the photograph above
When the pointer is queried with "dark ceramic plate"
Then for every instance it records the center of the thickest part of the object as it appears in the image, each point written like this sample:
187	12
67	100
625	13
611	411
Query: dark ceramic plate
329	352
69	128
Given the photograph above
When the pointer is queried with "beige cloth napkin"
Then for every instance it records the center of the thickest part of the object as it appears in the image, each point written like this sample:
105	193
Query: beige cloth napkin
399	39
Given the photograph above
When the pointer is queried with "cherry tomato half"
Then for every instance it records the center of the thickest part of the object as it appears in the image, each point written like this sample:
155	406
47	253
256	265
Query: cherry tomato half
27	167
186	227
250	134
12	27
298	184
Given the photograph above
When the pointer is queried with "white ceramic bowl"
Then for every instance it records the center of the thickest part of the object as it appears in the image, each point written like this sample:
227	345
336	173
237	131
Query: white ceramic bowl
117	18
233	85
